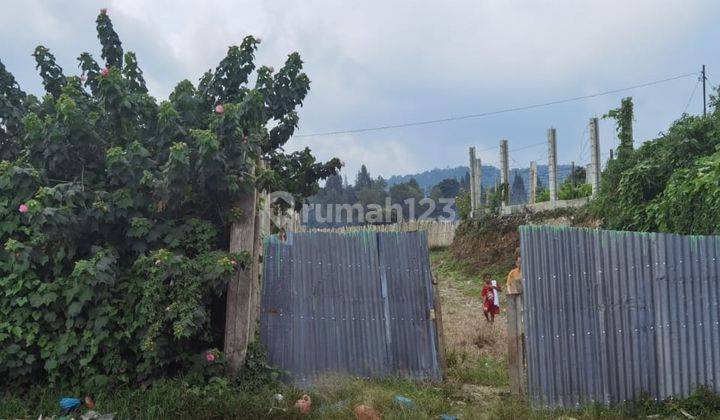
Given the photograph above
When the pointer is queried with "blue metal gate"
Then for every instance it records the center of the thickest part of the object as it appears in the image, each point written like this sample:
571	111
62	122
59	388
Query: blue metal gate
357	303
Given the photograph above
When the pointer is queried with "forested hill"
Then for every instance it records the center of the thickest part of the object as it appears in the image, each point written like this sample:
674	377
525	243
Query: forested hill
430	178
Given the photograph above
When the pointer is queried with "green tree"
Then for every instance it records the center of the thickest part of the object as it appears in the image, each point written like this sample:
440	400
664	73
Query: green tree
623	117
115	210
574	185
373	194
447	188
408	196
363	180
518	194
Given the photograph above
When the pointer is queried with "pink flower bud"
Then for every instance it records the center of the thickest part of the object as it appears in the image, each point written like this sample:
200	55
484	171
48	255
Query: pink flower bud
209	357
23	208
219	109
83	78
234	263
104	72
103	11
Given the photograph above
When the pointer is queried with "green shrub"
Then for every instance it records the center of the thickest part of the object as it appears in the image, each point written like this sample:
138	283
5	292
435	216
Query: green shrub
569	191
668	184
115	211
462	202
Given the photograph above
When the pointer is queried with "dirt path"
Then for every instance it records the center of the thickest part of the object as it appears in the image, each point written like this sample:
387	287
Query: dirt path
475	350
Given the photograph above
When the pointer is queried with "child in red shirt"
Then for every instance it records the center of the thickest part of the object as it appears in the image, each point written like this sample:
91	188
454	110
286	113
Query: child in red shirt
490	309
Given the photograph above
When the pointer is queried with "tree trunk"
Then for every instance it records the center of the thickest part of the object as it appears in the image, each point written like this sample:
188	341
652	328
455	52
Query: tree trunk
240	315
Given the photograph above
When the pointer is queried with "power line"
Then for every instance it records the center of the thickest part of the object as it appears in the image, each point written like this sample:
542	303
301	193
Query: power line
527	147
487	149
501	111
692	95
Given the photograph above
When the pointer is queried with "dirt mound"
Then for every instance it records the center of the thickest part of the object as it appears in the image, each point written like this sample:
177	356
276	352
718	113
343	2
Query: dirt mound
492	243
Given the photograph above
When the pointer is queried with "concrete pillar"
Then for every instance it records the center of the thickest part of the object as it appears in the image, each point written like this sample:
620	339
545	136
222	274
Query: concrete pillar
594	169
504	171
472	182
533	182
478	183
552	164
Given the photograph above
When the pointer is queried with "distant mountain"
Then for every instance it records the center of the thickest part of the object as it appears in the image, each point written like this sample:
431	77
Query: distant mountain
429	179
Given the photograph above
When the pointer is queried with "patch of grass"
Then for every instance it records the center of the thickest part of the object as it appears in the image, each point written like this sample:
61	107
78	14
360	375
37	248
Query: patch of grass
462	275
429	400
335	398
485	370
179	398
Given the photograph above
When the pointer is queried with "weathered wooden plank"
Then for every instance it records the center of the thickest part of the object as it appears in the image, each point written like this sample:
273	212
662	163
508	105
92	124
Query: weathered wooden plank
239	304
516	344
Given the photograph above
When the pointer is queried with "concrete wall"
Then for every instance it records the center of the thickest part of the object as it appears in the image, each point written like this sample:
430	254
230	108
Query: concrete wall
545	205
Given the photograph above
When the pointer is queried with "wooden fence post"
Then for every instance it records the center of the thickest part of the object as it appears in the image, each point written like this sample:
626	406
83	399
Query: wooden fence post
439	326
516	344
240	315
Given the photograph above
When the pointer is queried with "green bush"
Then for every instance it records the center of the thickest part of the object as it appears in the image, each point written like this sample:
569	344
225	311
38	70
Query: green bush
542	195
462	202
115	210
669	184
568	191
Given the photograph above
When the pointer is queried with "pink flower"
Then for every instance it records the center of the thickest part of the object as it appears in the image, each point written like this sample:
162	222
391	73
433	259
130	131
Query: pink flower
23	208
209	357
234	263
103	11
104	72
219	109
83	79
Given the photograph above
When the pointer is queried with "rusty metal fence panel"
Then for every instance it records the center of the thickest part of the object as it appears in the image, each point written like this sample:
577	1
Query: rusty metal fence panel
613	316
356	303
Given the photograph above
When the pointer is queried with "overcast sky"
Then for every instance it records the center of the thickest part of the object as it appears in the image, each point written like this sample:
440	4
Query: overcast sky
375	63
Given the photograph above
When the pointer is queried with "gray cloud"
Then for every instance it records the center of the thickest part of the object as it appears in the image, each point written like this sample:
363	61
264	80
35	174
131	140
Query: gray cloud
374	62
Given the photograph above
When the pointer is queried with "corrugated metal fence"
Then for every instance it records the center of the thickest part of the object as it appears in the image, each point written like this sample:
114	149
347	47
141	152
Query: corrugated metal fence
357	303
611	316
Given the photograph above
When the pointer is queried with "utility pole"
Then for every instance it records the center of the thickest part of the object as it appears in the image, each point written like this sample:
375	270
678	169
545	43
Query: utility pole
471	177
504	172
533	182
704	78
552	164
478	183
595	167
